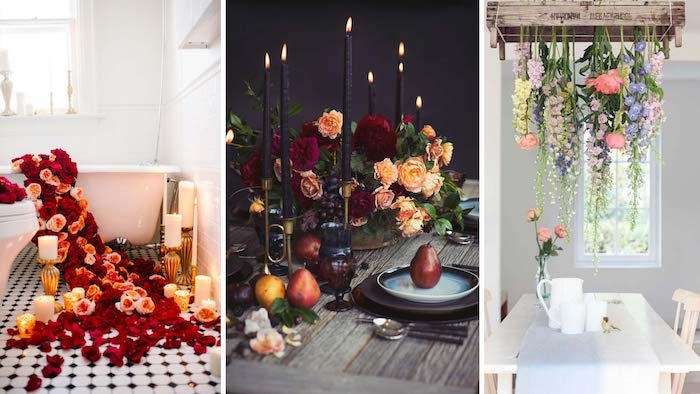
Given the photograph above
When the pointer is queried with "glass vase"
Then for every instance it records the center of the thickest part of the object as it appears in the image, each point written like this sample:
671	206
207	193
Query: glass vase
543	273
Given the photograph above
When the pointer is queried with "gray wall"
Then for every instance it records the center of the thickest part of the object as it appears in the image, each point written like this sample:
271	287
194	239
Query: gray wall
680	214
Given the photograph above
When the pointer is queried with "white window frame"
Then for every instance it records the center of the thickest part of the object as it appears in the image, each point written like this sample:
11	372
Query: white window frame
650	260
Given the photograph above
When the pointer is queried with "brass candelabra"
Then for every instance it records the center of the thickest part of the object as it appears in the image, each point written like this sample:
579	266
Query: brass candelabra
185	278
346	192
171	262
288	227
266	187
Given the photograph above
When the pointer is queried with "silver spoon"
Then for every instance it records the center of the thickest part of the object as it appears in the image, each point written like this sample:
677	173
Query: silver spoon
390	334
393	325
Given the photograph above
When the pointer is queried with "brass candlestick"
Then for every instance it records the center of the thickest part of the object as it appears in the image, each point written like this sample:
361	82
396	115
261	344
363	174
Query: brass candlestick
266	187
163	249
288	226
184	279
193	275
346	192
171	263
69	90
50	275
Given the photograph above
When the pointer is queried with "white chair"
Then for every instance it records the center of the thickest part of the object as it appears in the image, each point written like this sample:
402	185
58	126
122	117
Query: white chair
489	378
690	303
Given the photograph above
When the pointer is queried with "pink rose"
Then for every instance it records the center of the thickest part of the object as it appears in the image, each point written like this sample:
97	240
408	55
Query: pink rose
267	341
383	197
561	231
528	141
533	214
544	234
608	83
84	307
615	141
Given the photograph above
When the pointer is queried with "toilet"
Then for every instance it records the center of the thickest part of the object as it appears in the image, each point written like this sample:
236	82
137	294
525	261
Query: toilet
18	224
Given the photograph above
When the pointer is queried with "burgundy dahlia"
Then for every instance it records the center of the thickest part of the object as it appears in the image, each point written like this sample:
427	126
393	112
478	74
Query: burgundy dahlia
304	153
361	204
374	137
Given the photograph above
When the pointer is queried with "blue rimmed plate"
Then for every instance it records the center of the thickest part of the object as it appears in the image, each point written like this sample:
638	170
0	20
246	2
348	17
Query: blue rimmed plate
454	284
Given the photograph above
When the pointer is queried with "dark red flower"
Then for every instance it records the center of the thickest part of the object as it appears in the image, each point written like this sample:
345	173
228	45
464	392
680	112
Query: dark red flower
408	119
374	137
304	153
10	192
310	129
361	204
91	353
251	170
34	383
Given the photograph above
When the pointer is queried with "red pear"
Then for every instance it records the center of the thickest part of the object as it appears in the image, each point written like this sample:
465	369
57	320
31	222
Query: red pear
303	290
425	267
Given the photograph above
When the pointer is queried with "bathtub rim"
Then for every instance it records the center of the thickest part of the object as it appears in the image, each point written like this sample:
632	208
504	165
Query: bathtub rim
114	168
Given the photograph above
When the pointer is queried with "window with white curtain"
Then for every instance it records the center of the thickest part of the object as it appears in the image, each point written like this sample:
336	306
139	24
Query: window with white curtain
40	37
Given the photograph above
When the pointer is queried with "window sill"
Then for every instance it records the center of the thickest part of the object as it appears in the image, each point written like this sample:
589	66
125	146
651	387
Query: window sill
618	264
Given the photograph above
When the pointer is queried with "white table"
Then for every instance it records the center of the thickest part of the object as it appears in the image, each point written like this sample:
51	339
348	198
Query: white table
502	347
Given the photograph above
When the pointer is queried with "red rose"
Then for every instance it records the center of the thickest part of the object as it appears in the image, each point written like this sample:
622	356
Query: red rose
361	204
304	153
408	119
48	210
251	170
34	383
10	192
310	129
374	137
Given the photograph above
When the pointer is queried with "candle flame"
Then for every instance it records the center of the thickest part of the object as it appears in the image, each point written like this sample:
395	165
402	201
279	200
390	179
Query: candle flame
267	61
419	102
370	77
401	67
284	52
348	25
229	136
401	49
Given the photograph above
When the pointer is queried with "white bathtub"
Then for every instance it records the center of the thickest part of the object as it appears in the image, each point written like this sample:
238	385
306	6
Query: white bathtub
125	199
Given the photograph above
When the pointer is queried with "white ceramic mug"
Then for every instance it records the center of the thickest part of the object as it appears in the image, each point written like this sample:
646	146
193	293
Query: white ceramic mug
573	317
595	312
563	290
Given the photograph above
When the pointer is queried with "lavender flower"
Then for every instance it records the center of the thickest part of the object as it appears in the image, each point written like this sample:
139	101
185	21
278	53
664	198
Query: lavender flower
629	100
640	46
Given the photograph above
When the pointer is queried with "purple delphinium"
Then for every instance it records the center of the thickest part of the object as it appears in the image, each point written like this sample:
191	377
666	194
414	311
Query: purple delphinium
640	46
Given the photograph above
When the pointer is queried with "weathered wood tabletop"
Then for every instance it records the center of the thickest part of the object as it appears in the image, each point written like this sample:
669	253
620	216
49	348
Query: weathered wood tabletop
339	354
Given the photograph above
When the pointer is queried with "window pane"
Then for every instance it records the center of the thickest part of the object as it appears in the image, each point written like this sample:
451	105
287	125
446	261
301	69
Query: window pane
633	241
30	9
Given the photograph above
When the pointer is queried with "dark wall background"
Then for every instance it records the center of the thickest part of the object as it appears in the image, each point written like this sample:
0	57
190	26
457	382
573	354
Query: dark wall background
441	61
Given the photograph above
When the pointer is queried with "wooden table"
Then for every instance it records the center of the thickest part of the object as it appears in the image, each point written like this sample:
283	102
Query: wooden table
340	355
501	348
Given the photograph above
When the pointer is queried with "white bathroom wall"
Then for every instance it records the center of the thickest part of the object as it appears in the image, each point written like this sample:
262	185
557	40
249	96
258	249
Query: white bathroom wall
192	136
121	123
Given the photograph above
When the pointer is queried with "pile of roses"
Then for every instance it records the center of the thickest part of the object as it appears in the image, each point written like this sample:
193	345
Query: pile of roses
10	192
124	311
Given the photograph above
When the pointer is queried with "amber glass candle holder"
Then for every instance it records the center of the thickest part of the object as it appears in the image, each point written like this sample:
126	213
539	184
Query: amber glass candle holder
25	325
182	299
69	300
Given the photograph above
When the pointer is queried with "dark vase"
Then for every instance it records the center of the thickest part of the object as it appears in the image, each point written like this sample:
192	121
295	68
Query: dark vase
337	263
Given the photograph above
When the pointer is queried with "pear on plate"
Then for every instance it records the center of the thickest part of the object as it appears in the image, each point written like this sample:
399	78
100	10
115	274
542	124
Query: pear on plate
425	267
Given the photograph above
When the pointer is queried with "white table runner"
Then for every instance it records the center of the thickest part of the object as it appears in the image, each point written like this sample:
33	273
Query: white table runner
592	362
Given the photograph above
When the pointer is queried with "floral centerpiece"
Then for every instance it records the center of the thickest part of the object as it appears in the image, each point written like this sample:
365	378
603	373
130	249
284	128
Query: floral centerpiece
546	246
399	178
124	312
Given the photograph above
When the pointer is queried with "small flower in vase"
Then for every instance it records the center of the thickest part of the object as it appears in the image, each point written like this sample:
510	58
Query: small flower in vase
546	245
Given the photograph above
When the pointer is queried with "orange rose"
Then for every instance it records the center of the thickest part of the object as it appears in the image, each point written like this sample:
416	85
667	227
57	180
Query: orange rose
56	223
114	258
124	286
330	124
358	222
89	249
65	244
62	254
36	159
77	193
406	207
429	132
205	315
386	172
33	190
413	225
84	205
383	197
62	188
145	305
52	157
108	266
434	149
141	291
92	292
446	157
310	186
412	174
432	184
257	206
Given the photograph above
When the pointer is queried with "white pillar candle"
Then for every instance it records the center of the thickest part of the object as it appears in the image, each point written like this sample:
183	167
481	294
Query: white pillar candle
165	196
4	60
202	288
169	290
79	291
215	361
573	317
48	247
173	230
20	103
29	110
43	308
209	304
195	227
595	312
185	202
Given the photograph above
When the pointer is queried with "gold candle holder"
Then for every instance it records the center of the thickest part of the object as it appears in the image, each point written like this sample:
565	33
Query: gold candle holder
171	263
69	300
25	325
193	275
266	187
182	299
288	224
346	192
163	249
69	90
50	275
184	279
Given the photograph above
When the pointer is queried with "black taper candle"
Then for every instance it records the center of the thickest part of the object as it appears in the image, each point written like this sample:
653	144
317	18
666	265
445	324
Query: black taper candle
284	127
266	131
399	86
347	96
372	94
419	105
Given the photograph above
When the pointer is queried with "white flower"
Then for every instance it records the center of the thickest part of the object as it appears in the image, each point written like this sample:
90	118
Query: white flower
257	321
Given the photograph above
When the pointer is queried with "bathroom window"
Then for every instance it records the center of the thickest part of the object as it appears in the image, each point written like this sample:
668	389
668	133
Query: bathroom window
40	37
623	246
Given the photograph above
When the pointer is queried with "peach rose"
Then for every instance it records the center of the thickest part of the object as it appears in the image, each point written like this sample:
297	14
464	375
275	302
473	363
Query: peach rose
446	157
434	149
429	132
386	172
432	184
84	307
113	258
141	291
330	124
89	259
126	304
123	286
56	223
81	242
74	227
413	225
108	266
36	159
62	188
205	315
52	157
145	305
45	175
33	190
615	141
77	193
412	174
544	234
257	206
358	222
62	254
310	186
561	231
62	236
93	292
383	197
406	207
54	181
528	141
533	214
133	294
89	249
608	83
267	342
65	244
84	205
16	165
426	215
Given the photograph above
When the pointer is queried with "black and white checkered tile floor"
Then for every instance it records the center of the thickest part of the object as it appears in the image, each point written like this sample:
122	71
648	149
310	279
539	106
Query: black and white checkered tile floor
163	371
